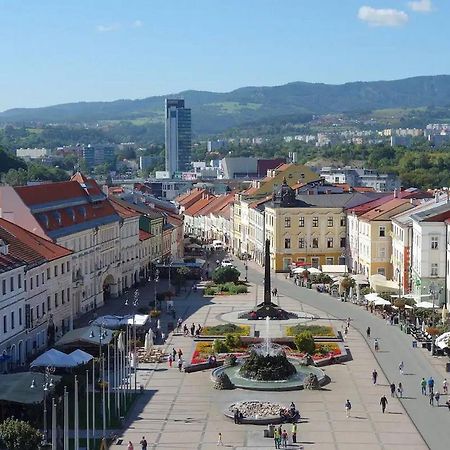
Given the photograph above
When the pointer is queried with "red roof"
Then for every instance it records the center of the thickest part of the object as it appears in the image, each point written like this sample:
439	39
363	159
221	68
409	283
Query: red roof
189	198
387	207
199	205
123	211
144	235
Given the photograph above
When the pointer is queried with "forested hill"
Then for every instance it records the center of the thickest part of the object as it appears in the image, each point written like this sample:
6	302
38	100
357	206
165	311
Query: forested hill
214	112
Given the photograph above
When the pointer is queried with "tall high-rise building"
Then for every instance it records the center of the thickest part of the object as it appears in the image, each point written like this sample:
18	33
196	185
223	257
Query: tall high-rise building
178	136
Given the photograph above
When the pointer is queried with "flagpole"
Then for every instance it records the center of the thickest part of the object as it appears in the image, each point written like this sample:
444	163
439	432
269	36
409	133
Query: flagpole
109	382
87	410
76	418
66	419
54	433
93	403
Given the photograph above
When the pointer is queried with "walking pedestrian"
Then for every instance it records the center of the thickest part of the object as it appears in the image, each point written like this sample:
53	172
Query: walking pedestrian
276	438
143	443
374	376
180	363
400	390
130	446
219	439
348	407
400	367
294	433
437	396
448	404
383	403
423	385
185	330
174	353
445	386
430	385
170	361
431	397
368	332
348	322
192	329
392	386
284	438
376	345
345	332
180	353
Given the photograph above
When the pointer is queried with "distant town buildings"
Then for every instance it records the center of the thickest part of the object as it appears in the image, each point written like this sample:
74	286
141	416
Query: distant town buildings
178	136
97	154
32	153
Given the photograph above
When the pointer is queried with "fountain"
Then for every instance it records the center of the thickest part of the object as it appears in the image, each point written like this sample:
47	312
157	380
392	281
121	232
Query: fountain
266	367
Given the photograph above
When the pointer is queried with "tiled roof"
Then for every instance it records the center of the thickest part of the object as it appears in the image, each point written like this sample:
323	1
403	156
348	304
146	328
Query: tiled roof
438	214
388	209
144	235
199	205
67	207
125	213
47	249
189	198
141	208
218	204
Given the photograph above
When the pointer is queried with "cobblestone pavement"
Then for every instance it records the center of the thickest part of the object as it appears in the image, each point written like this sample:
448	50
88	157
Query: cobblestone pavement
183	411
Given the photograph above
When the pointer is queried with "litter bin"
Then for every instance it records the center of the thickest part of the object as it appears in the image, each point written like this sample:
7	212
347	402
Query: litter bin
270	430
256	333
414	344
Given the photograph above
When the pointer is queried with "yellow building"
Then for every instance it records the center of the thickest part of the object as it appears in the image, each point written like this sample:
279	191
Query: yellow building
375	237
308	228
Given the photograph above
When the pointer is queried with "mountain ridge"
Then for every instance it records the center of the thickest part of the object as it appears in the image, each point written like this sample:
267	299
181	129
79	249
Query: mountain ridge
216	111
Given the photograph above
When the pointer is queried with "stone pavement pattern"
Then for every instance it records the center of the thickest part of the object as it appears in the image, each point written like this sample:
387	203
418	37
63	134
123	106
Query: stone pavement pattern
183	411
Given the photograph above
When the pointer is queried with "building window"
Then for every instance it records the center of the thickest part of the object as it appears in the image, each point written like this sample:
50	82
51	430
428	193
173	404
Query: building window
329	221
56	271
301	242
49	306
19	281
301	260
382	252
382	231
315	243
4	287
329	242
68	294
287	243
31	284
48	273
381	271
314	261
42	278
343	242
20	317
37	311
62	268
434	242
434	270
68	266
37	280
56	299
315	222
343	221
301	221
12	320
287	222
43	308
329	260
11	284
63	300
5	324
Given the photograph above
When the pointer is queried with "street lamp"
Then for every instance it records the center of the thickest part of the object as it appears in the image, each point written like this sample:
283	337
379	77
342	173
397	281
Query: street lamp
135	303
48	384
246	271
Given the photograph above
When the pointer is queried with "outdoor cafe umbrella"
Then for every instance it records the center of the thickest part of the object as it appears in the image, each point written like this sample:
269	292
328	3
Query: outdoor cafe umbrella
443	340
425	305
423	326
417	322
381	302
148	343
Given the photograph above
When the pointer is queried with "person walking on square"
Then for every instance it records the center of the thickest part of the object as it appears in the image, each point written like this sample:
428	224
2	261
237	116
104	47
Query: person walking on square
401	367
294	433
130	446
348	407
368	332
423	385
219	439
143	443
445	386
174	354
170	361
276	438
185	330
392	386
400	390
284	438
374	376
383	403
431	385
193	329
437	396
431	397
180	363
180	353
376	345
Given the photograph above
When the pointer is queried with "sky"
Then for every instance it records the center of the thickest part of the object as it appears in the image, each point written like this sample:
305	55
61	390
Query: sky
59	51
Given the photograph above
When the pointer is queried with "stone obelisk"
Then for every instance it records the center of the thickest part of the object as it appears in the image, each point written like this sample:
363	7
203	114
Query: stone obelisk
267	284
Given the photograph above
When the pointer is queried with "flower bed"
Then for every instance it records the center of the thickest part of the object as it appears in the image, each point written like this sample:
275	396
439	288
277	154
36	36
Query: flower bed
222	330
229	288
323	350
315	330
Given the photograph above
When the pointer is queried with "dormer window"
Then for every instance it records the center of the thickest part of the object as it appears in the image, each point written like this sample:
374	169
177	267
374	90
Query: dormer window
57	216
82	211
71	213
4	247
43	218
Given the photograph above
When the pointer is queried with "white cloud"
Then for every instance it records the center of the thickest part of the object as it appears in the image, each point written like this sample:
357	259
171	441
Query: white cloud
382	17
421	5
137	24
108	28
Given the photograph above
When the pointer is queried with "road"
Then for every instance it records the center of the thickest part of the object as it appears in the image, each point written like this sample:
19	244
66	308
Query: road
433	423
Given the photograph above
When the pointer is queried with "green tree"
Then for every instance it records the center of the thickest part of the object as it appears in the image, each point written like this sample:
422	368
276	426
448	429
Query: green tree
15	177
225	275
18	435
305	342
180	277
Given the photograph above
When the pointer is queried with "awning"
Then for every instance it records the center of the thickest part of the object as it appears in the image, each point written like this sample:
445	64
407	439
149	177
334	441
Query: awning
426	305
360	278
16	387
87	336
443	340
334	269
371	297
380	284
81	357
117	322
311	270
54	358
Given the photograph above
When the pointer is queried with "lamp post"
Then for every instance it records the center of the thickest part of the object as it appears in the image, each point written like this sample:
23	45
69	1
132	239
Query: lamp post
246	271
48	384
155	284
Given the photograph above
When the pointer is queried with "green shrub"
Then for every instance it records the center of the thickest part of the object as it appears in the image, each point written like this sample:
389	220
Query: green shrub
305	342
227	328
210	290
18	435
232	340
219	346
241	289
225	274
315	330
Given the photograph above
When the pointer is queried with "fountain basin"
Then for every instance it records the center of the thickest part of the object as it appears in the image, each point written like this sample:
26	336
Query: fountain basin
256	412
294	382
